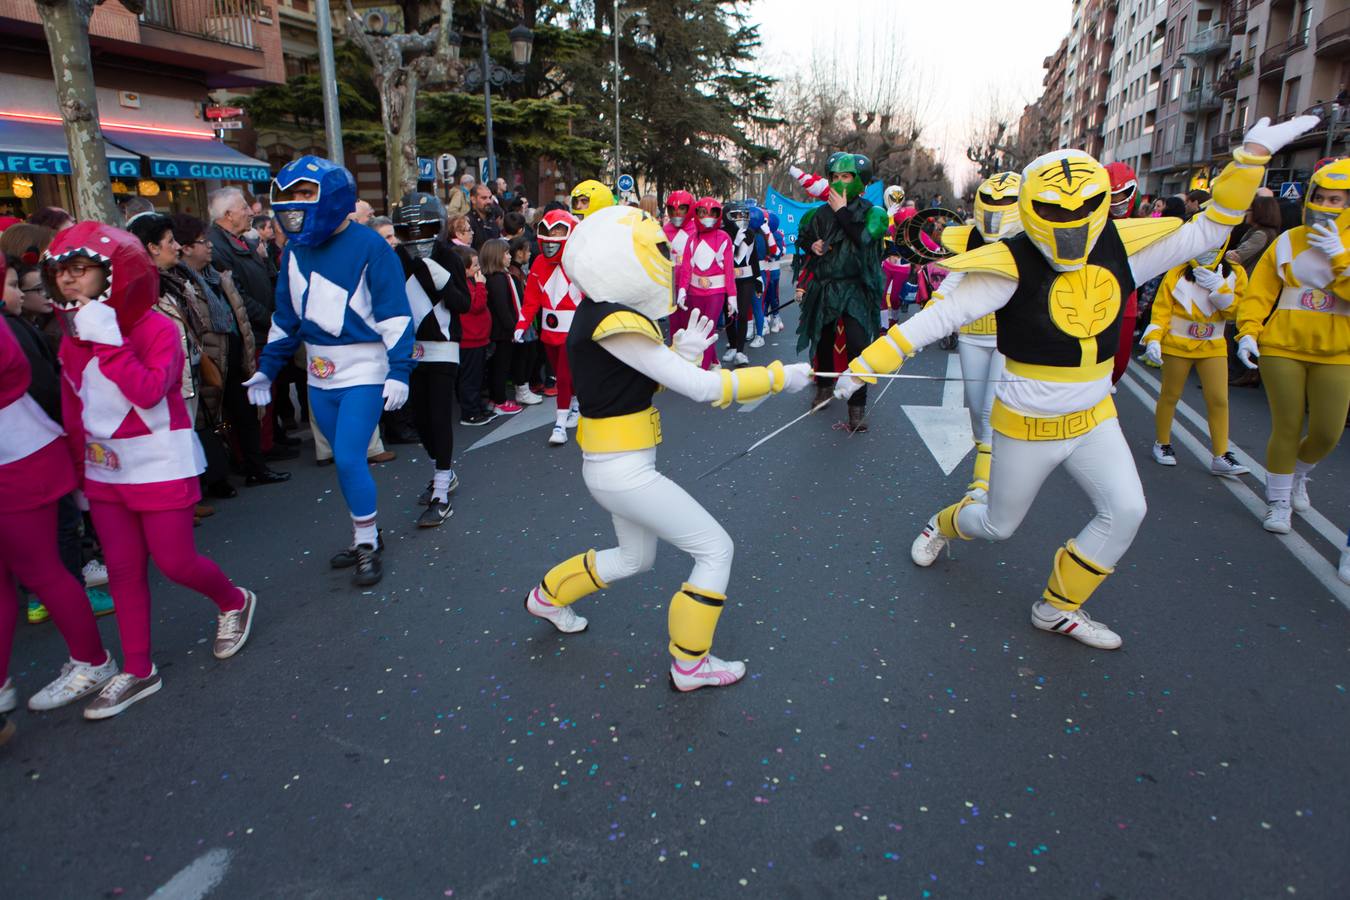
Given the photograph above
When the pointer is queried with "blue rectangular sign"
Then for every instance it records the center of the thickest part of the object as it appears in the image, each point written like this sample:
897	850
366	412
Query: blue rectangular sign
169	168
52	164
426	169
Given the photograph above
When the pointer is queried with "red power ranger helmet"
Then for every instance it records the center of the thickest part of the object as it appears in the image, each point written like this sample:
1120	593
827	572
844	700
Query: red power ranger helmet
551	237
708	208
1124	189
676	199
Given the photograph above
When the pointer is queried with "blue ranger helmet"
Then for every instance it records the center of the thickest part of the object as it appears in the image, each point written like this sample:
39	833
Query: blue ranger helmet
773	221
757	218
311	222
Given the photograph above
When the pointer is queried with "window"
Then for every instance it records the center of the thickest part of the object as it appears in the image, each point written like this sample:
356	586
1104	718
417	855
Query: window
1291	96
1304	22
1176	87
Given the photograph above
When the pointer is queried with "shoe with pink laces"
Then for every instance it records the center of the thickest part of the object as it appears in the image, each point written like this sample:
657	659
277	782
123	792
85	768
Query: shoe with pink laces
708	671
509	408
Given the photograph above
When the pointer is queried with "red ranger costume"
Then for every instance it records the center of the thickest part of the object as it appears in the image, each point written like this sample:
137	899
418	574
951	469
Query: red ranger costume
1124	190
549	289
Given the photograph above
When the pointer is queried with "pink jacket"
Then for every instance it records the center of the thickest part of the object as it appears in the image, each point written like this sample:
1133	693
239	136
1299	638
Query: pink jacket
127	424
707	267
679	239
34	467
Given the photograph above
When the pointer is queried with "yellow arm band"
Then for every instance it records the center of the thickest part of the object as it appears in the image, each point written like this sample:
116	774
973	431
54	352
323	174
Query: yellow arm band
1235	188
751	383
884	355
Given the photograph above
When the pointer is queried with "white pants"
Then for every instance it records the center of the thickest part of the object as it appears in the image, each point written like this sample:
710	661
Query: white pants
648	506
1099	461
981	366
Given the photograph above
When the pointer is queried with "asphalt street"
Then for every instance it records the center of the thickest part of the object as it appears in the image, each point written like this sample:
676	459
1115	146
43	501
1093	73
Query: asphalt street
902	732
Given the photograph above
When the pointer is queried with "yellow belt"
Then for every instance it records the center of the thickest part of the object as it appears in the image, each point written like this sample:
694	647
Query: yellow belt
615	434
1050	428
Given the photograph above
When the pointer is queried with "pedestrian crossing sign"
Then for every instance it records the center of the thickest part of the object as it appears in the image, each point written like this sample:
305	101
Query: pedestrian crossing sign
1291	190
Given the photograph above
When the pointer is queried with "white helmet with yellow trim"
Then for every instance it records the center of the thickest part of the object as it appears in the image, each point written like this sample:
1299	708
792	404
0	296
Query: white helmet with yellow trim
1064	202
1334	176
619	254
996	213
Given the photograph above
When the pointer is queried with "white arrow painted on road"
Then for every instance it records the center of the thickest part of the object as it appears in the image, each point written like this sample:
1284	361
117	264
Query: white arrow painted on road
946	428
197	880
537	416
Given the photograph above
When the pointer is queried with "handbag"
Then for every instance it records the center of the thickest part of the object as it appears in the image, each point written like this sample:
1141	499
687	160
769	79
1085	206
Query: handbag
212	377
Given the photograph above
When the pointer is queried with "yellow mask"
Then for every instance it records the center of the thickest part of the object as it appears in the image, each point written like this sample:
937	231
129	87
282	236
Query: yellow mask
1064	202
996	212
589	196
1334	176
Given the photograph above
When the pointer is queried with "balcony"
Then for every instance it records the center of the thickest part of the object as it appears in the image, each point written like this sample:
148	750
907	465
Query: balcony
1200	100
1223	143
1213	41
1227	82
1239	16
1333	35
229	22
1272	61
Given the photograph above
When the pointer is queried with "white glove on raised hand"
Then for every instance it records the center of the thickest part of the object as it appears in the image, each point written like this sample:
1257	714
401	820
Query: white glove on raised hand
97	322
690	341
846	386
519	336
1247	351
1153	353
395	395
680	299
1273	137
798	377
259	389
731	304
1208	279
1327	238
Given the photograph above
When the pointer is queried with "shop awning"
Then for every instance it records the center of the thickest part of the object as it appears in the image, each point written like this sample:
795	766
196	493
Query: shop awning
39	148
199	158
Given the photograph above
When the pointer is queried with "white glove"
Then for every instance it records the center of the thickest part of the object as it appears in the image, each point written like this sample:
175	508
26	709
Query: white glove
731	304
1153	353
846	386
395	395
519	336
690	341
798	377
1247	351
680	299
97	322
1273	137
259	389
1325	237
1208	279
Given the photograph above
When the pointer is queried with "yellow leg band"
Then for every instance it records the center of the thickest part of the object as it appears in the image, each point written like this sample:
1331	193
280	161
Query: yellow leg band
692	621
946	519
572	579
1073	578
884	355
984	459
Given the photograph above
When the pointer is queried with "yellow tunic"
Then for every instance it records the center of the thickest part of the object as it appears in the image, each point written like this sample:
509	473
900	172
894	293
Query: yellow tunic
1191	323
1296	304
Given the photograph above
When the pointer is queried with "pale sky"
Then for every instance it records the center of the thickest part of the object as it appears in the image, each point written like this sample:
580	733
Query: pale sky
975	54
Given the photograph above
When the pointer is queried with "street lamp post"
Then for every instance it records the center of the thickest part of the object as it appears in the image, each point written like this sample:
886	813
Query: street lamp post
618	27
487	73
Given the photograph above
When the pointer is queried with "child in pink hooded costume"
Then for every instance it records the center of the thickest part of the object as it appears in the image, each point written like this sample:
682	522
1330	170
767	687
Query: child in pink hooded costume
706	278
35	472
133	444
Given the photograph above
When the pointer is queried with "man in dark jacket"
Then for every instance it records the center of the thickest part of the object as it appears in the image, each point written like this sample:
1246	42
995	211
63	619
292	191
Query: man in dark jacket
230	252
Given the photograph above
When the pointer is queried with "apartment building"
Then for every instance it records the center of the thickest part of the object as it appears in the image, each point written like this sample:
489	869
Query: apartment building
153	74
1088	73
1135	80
1038	128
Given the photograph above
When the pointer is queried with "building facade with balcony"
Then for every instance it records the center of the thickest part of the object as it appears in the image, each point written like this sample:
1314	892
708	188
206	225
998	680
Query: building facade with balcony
1091	41
153	75
1287	57
1135	83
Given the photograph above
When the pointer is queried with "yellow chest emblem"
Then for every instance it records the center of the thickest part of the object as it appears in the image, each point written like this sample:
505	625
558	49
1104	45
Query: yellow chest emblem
1083	303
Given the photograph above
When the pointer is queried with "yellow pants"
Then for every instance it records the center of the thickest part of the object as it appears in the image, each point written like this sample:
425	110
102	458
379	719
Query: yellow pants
1213	374
1293	386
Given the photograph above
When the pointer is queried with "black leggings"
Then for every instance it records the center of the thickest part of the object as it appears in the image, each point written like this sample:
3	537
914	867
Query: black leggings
431	396
745	309
242	415
499	370
855	339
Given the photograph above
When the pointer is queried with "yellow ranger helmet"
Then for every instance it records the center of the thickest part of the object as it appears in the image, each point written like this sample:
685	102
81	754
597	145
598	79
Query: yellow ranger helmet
996	214
1334	176
620	255
590	196
1064	202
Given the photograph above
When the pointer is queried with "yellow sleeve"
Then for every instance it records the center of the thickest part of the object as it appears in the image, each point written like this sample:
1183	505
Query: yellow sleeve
1240	282
1160	316
1261	295
1340	268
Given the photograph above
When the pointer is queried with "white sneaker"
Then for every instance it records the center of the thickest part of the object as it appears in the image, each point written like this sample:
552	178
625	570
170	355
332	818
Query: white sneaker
95	574
742	359
1344	570
75	681
1277	518
1075	624
757	342
1163	455
730	356
9	696
928	545
690	675
777	324
562	617
573	417
558	437
527	397
1298	496
1227	465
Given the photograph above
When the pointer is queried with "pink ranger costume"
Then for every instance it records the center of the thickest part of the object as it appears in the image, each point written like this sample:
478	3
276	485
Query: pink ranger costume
706	278
679	227
132	441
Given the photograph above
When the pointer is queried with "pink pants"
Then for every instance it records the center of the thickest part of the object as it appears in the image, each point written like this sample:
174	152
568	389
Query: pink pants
130	539
711	305
28	552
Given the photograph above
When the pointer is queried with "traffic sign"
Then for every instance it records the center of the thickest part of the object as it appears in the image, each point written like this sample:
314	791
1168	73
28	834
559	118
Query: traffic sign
1291	190
446	165
426	169
626	184
228	124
